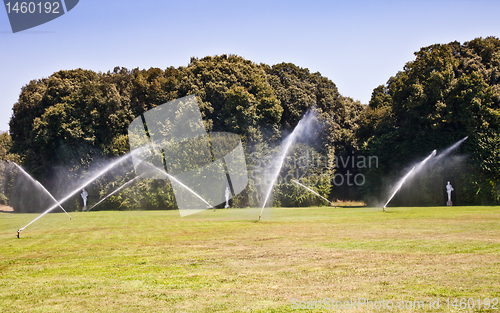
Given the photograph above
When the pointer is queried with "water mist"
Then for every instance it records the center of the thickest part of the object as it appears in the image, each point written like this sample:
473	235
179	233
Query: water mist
303	127
431	160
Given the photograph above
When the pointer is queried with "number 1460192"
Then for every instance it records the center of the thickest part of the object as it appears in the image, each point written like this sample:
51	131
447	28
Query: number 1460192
32	7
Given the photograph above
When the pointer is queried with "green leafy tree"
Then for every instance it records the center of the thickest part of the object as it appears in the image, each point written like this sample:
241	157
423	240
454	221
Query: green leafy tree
7	171
65	125
448	92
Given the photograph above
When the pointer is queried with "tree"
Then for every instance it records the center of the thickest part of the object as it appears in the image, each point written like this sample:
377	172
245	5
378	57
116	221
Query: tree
448	92
7	171
65	124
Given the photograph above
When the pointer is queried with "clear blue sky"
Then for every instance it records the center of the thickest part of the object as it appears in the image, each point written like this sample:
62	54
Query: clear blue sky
357	44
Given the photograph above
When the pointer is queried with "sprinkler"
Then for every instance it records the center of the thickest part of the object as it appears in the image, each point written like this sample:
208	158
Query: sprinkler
287	144
417	168
58	203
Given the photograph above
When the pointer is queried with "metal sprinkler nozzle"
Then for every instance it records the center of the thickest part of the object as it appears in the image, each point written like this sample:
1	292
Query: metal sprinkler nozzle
18	233
260	217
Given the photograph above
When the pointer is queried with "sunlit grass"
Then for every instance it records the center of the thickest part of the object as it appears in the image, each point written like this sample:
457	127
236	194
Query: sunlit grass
227	261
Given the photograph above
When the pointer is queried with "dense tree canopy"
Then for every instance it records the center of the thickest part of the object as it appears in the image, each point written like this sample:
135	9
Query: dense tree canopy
64	125
297	89
74	118
448	92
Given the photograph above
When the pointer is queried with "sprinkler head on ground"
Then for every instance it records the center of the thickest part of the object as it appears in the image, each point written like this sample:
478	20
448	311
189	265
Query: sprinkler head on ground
18	233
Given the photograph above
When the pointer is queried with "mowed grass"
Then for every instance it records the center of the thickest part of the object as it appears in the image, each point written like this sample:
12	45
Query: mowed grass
228	261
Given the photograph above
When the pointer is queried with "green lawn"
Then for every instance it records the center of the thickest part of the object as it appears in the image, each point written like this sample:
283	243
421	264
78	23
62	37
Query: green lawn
227	261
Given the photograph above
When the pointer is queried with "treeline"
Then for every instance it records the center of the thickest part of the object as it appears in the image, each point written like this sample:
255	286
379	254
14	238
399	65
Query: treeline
63	124
67	123
448	92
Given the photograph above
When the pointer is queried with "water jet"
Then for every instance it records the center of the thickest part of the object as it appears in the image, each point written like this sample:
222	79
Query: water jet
314	192
416	169
112	193
38	184
413	171
72	193
284	152
173	179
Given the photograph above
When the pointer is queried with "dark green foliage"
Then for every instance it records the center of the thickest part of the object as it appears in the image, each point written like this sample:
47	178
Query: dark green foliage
65	124
6	153
233	95
311	169
7	171
448	92
298	90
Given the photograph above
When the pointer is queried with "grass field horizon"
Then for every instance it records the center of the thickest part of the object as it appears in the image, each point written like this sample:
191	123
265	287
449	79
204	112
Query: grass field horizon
156	261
